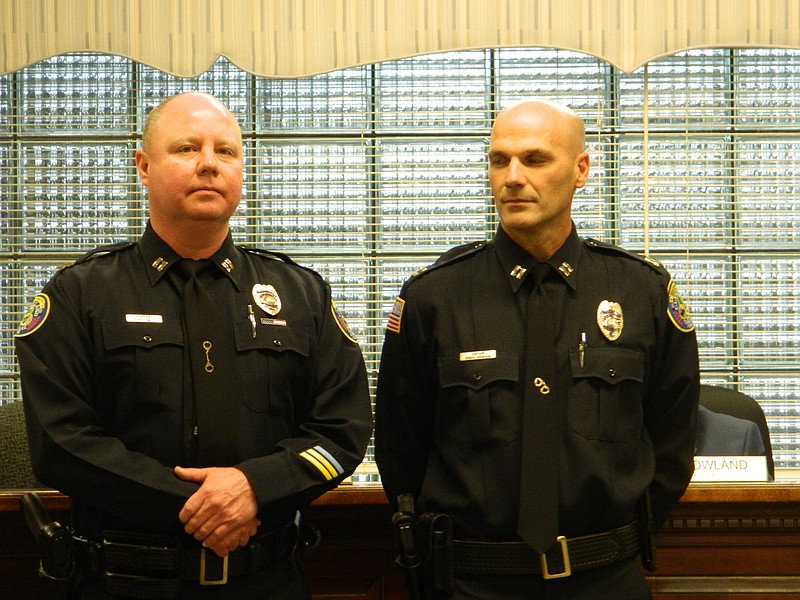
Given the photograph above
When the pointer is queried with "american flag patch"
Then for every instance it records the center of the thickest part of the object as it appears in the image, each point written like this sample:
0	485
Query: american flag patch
396	316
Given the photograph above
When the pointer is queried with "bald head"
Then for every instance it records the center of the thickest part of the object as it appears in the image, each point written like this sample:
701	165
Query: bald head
191	164
536	162
565	124
155	115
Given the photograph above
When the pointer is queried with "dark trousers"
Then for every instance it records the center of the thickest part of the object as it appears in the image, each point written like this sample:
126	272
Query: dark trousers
283	581
621	581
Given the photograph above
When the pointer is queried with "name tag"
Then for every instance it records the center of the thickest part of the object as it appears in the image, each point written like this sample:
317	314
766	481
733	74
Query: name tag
478	355
730	468
144	318
278	322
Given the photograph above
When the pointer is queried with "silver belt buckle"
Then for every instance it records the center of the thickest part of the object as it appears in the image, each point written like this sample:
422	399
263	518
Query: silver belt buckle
546	574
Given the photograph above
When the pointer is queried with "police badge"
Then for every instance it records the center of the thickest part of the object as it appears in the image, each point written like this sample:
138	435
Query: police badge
267	298
609	319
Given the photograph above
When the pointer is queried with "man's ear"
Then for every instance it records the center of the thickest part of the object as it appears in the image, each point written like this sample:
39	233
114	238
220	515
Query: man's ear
582	165
142	165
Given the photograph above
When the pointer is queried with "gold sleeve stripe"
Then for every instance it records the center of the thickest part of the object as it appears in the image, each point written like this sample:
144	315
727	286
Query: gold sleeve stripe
326	459
322	465
327	456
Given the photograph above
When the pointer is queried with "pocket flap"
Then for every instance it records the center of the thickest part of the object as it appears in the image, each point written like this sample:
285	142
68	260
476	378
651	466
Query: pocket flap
121	334
475	374
612	365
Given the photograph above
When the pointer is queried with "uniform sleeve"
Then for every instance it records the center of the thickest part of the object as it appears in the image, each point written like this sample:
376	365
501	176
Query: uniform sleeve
404	404
334	428
671	403
70	450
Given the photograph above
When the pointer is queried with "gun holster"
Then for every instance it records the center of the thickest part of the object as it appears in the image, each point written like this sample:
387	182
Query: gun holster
57	565
425	544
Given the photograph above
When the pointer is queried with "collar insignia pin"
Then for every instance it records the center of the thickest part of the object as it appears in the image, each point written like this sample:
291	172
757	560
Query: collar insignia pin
159	264
517	272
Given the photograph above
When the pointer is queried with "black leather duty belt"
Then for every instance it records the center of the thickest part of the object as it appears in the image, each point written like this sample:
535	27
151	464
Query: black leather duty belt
566	556
145	567
197	564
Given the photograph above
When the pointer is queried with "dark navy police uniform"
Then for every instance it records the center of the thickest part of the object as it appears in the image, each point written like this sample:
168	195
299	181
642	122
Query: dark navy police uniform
449	400
102	362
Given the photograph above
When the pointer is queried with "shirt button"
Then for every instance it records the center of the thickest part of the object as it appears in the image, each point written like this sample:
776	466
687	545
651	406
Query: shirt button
147	339
612	373
277	342
476	377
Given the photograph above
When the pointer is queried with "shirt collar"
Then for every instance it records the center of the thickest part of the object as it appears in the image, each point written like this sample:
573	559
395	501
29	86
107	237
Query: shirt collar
517	263
158	256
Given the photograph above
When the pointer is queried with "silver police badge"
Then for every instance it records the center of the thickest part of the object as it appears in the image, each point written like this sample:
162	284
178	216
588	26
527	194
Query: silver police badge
267	298
609	319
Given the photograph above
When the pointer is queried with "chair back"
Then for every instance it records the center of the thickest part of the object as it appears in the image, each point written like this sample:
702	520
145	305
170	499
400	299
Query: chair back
15	461
731	402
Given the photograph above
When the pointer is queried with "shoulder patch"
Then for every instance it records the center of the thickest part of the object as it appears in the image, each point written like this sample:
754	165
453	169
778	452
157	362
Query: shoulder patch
342	323
35	316
395	318
677	310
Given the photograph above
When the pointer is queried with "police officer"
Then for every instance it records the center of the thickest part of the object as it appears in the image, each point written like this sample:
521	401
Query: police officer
174	495
460	372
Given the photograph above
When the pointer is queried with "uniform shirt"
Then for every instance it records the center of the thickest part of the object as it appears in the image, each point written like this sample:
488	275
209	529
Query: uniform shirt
448	430
102	362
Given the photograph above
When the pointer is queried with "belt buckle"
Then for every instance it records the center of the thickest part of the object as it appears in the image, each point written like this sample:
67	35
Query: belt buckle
222	580
546	574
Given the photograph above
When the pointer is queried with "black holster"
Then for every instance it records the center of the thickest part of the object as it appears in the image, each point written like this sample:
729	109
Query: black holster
425	544
57	568
435	539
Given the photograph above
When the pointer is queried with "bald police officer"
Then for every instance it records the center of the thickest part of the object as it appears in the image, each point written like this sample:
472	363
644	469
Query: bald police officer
461	380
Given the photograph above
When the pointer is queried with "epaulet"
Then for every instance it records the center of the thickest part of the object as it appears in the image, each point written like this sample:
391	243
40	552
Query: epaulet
279	256
451	256
104	250
648	260
267	254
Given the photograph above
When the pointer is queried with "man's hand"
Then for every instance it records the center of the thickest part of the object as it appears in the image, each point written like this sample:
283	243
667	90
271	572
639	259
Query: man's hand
222	513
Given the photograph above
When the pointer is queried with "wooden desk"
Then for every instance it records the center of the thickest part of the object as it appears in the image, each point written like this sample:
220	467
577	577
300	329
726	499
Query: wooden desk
738	541
724	541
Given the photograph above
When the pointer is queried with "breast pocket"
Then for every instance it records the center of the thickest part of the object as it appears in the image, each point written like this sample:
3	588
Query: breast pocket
606	398
273	367
149	354
479	402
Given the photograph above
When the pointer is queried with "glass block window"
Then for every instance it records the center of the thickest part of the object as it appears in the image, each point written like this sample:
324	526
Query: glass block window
369	173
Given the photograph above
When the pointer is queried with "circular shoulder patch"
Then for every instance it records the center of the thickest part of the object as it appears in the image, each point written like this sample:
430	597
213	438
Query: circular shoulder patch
677	310
342	323
35	316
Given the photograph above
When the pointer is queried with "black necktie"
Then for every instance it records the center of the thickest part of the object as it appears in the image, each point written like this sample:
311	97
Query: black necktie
209	355
538	502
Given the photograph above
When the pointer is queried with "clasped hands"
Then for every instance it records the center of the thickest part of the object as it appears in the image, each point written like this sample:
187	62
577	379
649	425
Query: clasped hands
222	513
